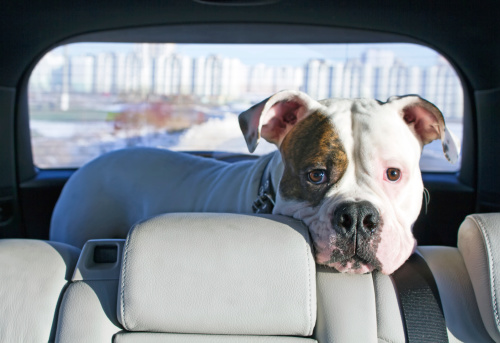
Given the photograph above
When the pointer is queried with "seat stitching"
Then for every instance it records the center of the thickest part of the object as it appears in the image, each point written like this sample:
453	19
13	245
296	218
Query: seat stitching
124	268
481	226
310	325
375	299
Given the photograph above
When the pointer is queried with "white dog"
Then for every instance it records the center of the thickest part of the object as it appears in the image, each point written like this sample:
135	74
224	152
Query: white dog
349	169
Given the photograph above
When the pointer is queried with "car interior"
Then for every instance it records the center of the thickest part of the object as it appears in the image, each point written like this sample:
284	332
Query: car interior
76	267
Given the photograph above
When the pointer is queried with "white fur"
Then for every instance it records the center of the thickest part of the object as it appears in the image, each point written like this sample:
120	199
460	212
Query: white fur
375	138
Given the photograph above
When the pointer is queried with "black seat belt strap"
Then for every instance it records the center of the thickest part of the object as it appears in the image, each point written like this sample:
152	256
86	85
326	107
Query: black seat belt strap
420	302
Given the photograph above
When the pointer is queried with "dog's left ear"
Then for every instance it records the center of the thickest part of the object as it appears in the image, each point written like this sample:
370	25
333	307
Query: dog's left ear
274	117
427	123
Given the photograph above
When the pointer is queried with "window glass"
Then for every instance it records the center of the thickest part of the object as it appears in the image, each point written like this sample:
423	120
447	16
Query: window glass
87	99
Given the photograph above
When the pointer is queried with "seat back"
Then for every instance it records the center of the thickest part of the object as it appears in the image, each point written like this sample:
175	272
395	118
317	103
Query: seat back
245	278
366	308
33	276
479	244
197	277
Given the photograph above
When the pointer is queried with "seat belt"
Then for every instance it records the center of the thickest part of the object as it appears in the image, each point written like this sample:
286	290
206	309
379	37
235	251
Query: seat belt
420	302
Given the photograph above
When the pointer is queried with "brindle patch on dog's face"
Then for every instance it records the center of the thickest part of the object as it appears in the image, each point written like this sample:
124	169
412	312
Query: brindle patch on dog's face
312	144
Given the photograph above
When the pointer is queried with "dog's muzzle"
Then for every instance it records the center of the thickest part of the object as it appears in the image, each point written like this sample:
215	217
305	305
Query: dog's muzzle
357	227
356	218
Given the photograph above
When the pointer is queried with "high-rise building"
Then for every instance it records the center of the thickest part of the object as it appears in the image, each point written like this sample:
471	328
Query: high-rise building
173	75
106	73
260	80
378	58
213	76
415	80
121	59
317	79
336	79
234	78
158	69
132	72
82	74
47	76
198	73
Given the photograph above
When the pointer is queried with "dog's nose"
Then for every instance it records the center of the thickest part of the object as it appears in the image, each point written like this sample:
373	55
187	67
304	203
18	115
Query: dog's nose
355	217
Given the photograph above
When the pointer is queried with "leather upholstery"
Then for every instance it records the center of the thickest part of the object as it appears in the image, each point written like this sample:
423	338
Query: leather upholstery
479	243
88	312
218	274
365	308
460	308
357	308
249	275
346	307
33	275
88	308
244	278
152	337
389	321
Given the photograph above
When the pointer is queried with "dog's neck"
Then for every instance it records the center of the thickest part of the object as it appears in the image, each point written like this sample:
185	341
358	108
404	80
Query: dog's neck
275	170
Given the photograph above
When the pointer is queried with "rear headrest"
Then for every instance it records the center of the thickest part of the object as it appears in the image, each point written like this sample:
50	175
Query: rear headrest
218	274
479	244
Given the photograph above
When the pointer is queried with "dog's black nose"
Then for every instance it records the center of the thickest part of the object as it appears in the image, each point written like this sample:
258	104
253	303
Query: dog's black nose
355	217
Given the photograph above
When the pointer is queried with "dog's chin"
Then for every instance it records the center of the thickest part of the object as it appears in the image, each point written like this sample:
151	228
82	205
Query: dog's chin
345	261
352	266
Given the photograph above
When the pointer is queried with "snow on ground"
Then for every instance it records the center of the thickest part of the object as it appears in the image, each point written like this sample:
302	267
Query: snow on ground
219	134
71	144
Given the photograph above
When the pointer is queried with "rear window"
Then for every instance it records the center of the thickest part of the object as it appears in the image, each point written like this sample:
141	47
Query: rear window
86	99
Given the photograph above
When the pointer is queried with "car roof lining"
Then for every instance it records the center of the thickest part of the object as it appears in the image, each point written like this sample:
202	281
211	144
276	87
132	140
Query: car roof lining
249	33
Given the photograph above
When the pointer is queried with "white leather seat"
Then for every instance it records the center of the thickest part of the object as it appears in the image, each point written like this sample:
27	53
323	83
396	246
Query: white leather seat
33	276
216	277
228	277
197	277
479	244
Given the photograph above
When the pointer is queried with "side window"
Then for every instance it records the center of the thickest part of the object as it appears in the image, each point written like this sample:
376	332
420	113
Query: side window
87	99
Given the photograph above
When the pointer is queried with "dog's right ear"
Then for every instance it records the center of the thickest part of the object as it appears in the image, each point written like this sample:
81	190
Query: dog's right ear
426	121
274	117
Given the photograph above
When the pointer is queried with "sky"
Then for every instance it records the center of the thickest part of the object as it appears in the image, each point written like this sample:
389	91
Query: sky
277	54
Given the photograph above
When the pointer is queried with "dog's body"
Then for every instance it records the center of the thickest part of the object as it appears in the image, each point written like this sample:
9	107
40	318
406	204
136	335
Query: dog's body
348	168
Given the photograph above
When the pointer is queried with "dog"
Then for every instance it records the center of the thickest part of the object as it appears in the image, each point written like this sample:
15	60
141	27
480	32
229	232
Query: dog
347	168
350	171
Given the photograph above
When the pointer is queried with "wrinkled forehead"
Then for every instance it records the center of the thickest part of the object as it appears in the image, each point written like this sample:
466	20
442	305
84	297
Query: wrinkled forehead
372	127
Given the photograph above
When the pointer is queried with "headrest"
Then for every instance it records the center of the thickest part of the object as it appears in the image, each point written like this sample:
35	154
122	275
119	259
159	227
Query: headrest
479	244
218	274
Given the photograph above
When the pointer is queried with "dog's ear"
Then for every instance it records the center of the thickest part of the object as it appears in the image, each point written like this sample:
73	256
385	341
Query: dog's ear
427	123
274	117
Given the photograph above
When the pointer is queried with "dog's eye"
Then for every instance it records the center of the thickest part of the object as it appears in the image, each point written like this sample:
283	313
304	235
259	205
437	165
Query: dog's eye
317	176
393	174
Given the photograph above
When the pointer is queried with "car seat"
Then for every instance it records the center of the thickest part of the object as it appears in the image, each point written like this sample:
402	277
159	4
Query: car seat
205	276
216	277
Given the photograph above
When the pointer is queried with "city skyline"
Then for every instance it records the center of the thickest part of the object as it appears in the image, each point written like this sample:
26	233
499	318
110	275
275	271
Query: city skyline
272	54
159	69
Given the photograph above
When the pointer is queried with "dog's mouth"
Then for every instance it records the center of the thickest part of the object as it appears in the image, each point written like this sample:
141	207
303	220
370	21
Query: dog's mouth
354	264
354	234
352	267
354	255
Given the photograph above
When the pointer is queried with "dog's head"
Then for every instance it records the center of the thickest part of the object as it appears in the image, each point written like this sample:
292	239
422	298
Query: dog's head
351	171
